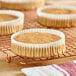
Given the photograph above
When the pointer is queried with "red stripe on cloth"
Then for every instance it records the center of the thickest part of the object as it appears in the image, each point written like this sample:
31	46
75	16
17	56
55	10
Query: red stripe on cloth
70	67
59	70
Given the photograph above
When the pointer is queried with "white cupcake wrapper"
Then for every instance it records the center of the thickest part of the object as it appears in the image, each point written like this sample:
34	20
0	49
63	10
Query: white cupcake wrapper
20	19
54	16
20	1
9	27
38	50
56	43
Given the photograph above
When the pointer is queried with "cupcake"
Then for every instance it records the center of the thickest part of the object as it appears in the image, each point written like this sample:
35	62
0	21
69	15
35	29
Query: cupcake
22	4
57	16
38	43
10	21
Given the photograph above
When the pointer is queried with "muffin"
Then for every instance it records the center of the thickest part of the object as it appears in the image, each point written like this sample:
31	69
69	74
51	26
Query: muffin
57	16
38	43
22	4
10	21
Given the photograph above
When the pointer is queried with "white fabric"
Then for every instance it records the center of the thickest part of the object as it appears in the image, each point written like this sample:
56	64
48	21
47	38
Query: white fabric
74	61
42	71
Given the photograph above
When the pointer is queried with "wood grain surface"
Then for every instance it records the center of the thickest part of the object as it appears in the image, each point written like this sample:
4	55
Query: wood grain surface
14	69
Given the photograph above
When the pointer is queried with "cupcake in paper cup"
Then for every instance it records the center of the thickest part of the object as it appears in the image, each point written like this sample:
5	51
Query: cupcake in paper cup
38	43
57	16
22	4
10	21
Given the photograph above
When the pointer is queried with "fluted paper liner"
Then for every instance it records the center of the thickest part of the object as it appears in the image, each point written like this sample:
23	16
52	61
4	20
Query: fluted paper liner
22	4
56	20
38	50
9	27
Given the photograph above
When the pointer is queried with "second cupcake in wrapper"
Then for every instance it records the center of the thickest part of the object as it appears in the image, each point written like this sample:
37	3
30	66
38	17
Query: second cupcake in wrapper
57	16
38	43
10	21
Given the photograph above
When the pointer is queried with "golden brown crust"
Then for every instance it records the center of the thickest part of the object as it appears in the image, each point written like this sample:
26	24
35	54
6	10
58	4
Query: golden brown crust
37	38
59	11
7	17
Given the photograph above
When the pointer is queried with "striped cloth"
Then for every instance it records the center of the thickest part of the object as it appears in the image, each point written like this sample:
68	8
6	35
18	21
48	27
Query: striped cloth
64	69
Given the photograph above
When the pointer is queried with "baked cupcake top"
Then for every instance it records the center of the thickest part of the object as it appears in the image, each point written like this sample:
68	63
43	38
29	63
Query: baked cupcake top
38	38
7	17
57	11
